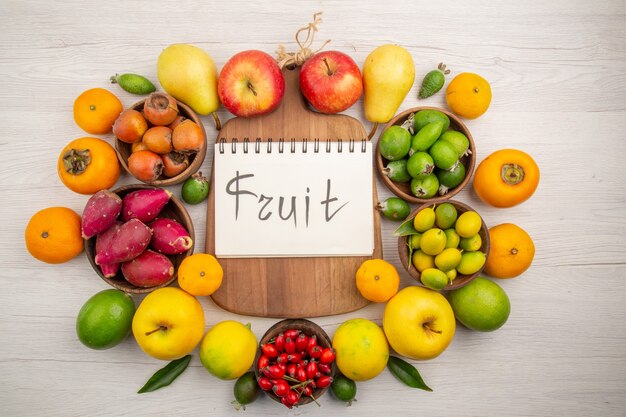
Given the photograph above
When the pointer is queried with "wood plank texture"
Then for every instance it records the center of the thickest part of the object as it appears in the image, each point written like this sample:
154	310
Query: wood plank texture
558	75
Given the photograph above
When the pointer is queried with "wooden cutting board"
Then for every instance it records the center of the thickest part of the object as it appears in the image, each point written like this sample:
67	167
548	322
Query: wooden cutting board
291	287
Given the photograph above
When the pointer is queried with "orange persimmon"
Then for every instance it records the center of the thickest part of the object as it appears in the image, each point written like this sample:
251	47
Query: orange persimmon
88	165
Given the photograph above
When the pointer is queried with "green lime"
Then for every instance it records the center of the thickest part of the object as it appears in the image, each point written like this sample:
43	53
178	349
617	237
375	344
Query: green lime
421	261
452	238
420	165
415	240
246	390
343	388
444	155
426	136
468	224
448	259
445	215
424	219
433	241
471	243
480	305
425	187
434	279
471	262
458	140
196	189
448	179
451	274
105	319
423	117
396	171
395	208
395	143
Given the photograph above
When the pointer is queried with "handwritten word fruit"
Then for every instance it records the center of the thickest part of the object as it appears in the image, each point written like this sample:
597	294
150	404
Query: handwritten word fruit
105	319
344	389
506	178
168	324
377	280
53	235
189	74
87	165
511	252
468	95
145	204
130	126
195	189
200	274
331	81
245	390
419	323
227	350
95	110
160	109
388	75
480	305
433	81
100	213
361	348
133	83
148	269
251	84
394	208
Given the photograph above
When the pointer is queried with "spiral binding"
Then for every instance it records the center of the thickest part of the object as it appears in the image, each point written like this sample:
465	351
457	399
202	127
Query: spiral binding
292	145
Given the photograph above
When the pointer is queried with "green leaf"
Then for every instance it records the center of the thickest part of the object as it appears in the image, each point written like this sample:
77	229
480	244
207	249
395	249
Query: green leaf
406	373
409	243
405	229
166	375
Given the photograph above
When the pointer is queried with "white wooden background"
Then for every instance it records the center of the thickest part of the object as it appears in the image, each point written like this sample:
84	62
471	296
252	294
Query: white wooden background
558	74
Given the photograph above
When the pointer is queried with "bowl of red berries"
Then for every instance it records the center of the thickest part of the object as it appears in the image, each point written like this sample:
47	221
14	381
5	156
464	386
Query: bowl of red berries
295	362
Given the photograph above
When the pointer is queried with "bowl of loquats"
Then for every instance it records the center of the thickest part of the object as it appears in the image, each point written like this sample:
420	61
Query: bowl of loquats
425	155
295	362
141	249
160	140
443	246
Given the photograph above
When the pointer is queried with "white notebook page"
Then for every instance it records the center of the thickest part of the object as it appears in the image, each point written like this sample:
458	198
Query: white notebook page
281	204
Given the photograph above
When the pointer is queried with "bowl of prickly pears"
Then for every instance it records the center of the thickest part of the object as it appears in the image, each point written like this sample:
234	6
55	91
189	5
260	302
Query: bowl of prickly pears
160	140
443	246
295	362
136	236
425	155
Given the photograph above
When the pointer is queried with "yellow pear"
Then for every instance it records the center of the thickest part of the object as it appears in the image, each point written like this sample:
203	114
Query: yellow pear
189	74
388	75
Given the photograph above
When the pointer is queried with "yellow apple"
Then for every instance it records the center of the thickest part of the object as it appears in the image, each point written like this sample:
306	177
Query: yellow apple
169	323
419	323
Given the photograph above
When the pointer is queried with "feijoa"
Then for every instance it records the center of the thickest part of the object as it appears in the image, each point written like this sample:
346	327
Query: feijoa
445	215
425	187
134	83
420	165
246	390
395	143
450	179
433	81
394	208
444	154
344	389
426	136
423	117
434	279
195	189
396	171
458	140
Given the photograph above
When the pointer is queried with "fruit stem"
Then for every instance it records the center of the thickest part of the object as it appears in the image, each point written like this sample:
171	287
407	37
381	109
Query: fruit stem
328	70
514	251
374	128
114	78
218	124
512	174
427	327
76	161
251	88
160	328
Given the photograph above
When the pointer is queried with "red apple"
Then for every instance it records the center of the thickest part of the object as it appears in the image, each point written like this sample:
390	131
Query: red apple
331	81
250	84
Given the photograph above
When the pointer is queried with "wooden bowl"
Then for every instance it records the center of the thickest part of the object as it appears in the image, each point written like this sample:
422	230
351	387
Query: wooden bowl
195	160
403	190
307	327
460	279
174	209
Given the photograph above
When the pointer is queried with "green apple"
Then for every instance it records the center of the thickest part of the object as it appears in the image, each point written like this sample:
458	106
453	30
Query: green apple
419	323
480	305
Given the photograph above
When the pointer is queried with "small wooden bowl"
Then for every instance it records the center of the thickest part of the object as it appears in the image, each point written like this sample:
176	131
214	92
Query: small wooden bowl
403	190
195	160
307	327
460	279
174	209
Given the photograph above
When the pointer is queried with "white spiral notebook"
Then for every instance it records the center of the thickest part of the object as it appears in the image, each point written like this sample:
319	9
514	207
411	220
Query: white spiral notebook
293	198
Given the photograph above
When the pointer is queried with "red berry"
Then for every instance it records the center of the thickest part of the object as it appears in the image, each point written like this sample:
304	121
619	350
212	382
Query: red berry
285	402
324	368
263	362
265	383
281	388
276	371
311	370
290	345
302	342
327	356
292	334
295	358
323	381
308	391
312	342
269	350
292	397
291	370
314	351
279	342
301	374
282	358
